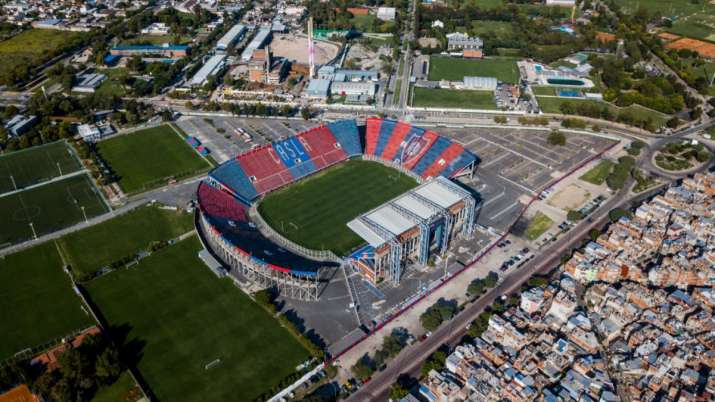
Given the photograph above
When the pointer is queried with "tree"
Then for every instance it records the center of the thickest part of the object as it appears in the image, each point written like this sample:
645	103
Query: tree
397	392
593	234
476	287
491	279
574	215
673	122
363	368
556	137
305	113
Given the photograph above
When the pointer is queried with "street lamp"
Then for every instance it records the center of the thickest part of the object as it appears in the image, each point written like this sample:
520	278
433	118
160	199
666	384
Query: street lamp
84	213
34	234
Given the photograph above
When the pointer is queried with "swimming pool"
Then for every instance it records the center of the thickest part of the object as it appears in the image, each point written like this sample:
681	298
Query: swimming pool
565	81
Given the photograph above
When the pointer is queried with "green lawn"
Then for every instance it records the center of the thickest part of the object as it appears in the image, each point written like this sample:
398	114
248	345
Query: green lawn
149	158
454	69
314	212
37	302
671	8
124	390
31	48
539	224
33	165
120	237
452	98
113	86
544	90
49	208
179	317
598	174
552	105
498	29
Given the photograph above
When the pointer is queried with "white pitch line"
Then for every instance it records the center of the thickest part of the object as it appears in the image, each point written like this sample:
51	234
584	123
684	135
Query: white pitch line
503	211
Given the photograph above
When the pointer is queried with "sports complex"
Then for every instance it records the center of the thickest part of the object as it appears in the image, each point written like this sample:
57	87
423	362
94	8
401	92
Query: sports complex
377	198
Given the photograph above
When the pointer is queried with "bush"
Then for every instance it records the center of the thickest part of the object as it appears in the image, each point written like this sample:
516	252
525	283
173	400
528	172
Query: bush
573	123
615	214
500	119
556	137
574	215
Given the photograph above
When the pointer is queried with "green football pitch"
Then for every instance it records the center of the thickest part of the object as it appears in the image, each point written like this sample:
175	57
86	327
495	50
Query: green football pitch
314	212
121	237
33	165
453	69
37	302
48	208
196	337
149	158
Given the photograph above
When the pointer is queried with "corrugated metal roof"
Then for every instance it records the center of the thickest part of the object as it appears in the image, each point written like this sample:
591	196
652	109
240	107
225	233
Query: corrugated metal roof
417	207
391	219
365	232
438	193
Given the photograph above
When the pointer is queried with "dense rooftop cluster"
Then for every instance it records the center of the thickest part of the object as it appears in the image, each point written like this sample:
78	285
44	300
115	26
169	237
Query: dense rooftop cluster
631	317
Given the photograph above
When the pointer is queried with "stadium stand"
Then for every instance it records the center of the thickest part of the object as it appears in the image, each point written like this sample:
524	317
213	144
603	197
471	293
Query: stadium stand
416	147
387	128
346	132
219	204
448	156
394	146
294	156
233	178
323	148
372	132
465	159
263	167
432	154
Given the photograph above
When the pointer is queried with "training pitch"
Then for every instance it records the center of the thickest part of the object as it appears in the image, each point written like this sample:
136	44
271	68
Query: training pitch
454	69
176	318
35	165
149	158
48	208
37	302
314	212
121	237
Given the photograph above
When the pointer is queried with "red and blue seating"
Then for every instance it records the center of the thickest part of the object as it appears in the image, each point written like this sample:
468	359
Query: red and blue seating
321	145
346	132
416	147
431	155
231	176
387	128
403	133
219	204
294	156
264	168
372	133
452	152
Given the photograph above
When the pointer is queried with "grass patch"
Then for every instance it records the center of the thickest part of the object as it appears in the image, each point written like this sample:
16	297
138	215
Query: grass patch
553	105
454	69
452	98
113	86
121	237
37	164
36	299
49	208
544	90
495	29
539	224
124	389
184	318
29	49
598	174
149	158
314	212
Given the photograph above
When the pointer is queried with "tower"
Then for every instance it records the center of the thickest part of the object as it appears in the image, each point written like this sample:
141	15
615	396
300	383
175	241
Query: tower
311	50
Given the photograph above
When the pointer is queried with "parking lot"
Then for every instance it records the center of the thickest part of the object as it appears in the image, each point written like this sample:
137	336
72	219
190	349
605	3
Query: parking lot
225	138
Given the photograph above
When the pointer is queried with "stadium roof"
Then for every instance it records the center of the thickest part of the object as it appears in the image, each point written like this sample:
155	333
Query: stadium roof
407	211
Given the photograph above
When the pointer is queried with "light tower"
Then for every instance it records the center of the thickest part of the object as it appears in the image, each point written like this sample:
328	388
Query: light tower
311	50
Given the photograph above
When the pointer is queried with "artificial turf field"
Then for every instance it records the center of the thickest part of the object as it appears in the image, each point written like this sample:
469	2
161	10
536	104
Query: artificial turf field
120	237
184	317
453	98
36	299
314	212
49	207
147	159
36	164
455	69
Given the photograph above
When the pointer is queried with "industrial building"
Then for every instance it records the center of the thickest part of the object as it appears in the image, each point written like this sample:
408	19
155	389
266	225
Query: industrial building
262	37
167	50
231	37
471	47
411	228
360	89
479	83
19	124
211	68
318	89
88	83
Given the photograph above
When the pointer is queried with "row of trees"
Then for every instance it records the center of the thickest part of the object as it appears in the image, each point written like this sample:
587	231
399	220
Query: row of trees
391	345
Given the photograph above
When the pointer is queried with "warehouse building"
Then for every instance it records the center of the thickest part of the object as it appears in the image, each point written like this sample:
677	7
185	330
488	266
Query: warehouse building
261	39
231	37
211	68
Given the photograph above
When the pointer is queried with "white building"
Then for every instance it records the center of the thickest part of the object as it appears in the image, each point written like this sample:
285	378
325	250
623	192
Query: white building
157	28
231	37
561	3
479	83
212	67
386	13
90	132
353	88
532	300
262	37
19	124
88	83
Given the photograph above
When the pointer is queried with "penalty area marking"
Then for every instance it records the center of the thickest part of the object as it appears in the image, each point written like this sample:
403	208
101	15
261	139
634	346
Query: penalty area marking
212	364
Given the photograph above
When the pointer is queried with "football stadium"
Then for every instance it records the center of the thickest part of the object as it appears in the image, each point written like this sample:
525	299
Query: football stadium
379	197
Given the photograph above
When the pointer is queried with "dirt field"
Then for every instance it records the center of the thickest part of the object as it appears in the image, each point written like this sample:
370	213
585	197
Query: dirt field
295	48
705	49
571	197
